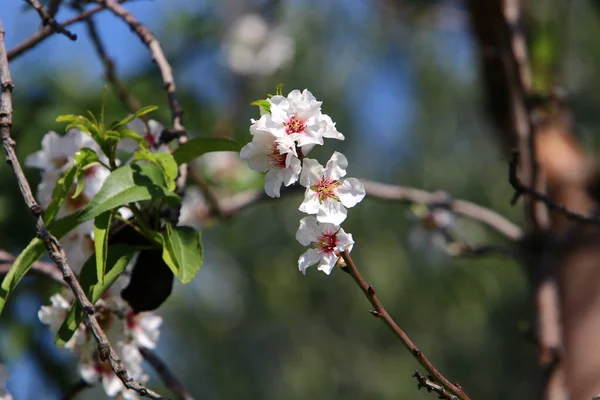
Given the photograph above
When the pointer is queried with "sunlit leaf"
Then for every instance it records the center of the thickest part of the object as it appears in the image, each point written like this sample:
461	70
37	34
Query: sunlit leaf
182	251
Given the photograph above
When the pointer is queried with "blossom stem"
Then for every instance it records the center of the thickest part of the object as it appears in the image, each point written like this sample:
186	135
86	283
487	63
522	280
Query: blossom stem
380	312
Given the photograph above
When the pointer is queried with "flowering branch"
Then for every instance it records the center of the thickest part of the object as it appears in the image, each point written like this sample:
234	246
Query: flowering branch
523	190
167	376
380	312
48	20
48	31
53	247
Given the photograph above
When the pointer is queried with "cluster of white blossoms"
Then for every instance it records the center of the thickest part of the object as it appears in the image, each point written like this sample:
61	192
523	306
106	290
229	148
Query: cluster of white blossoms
130	330
287	130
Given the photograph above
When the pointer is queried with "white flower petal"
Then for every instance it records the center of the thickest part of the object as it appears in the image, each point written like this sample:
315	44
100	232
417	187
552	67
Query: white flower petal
332	211
310	257
273	181
112	384
308	231
336	166
344	241
327	262
312	172
351	192
311	203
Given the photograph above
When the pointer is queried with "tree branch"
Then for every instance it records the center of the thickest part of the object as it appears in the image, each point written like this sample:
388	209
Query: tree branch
428	384
53	247
380	312
38	267
48	31
48	20
167	376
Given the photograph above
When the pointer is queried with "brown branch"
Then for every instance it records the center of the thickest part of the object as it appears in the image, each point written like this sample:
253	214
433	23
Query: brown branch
428	384
167	376
109	67
47	31
53	247
523	190
381	313
48	20
147	37
39	267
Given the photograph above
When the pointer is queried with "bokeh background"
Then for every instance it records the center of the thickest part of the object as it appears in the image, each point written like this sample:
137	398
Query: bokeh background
401	80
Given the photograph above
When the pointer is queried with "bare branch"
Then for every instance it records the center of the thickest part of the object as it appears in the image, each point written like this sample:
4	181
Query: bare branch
48	20
380	312
48	31
109	67
431	386
167	376
53	247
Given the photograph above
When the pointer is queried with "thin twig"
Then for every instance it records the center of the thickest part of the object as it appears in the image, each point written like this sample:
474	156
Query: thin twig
109	67
38	267
48	20
380	312
428	384
53	247
47	31
167	376
523	190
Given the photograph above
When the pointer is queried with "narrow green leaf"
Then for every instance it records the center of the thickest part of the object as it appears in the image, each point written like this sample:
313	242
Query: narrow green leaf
182	251
101	227
128	184
279	90
136	137
263	105
202	145
34	250
59	193
119	256
138	113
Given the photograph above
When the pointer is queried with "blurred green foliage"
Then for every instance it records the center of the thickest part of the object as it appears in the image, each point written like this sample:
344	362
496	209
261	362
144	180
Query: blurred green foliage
251	326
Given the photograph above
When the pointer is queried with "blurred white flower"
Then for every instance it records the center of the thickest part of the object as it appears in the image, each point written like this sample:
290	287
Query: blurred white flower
327	195
224	167
143	328
430	227
94	370
56	313
276	156
328	242
58	150
150	132
252	47
194	208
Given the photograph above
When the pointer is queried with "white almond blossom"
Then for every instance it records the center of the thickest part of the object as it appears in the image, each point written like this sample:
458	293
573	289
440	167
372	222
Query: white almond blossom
94	370
58	150
150	132
327	195
276	156
143	328
299	117
328	242
252	47
56	313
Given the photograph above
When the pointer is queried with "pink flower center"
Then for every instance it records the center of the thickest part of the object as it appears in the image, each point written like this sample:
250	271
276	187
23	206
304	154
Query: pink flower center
295	125
276	159
326	242
131	320
326	189
91	171
60	162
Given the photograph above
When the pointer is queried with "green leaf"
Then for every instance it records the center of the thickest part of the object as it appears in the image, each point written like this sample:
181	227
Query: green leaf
279	90
263	105
101	227
136	137
164	161
202	145
182	251
138	113
119	256
128	184
59	193
34	250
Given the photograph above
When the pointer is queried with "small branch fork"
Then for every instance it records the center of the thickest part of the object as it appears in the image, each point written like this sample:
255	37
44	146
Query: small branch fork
428	384
523	190
53	247
48	20
380	312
